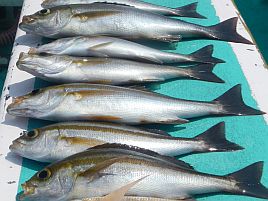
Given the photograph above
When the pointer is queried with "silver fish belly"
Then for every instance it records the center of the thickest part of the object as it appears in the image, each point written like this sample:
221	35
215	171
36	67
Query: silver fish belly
124	22
184	11
66	69
55	142
122	105
103	46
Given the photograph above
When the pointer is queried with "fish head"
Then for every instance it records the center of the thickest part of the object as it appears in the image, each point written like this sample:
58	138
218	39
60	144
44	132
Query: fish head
36	144
46	22
61	46
42	64
38	103
53	182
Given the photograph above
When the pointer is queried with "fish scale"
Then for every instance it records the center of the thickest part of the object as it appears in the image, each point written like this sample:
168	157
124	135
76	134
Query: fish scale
66	69
122	105
105	168
123	22
61	140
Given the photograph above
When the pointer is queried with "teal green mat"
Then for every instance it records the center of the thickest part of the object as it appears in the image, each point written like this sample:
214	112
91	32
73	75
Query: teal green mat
249	132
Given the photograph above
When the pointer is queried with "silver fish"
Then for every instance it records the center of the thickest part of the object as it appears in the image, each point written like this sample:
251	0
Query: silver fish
105	168
66	69
72	102
183	11
124	22
58	141
103	46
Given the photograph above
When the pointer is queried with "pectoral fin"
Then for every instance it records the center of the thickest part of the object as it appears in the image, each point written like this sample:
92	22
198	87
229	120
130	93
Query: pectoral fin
95	172
119	194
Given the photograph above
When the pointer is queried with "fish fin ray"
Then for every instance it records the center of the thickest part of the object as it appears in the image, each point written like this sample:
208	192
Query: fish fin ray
173	120
95	172
96	47
189	10
233	104
119	194
204	72
204	55
177	163
226	31
248	181
157	131
215	140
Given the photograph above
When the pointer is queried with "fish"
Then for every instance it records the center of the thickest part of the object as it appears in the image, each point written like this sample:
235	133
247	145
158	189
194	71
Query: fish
103	169
58	141
183	11
97	102
66	69
123	22
92	157
110	47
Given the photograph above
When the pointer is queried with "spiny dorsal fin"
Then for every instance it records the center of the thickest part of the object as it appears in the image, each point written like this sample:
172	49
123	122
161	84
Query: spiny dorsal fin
166	159
114	3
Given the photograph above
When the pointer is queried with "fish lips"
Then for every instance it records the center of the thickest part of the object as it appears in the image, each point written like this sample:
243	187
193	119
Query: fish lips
29	191
28	24
16	146
15	109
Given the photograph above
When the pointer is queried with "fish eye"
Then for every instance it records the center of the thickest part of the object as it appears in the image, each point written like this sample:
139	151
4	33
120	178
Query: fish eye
36	91
31	134
44	11
44	174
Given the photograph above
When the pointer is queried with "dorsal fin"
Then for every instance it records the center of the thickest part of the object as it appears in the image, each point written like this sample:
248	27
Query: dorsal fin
166	159
113	3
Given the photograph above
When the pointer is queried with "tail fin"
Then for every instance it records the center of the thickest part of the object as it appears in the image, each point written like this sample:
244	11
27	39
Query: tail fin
248	181
204	72
215	140
232	103
226	31
204	55
188	11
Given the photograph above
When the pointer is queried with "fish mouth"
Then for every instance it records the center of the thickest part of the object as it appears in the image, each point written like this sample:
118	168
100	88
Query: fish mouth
28	19
16	145
15	110
32	51
28	189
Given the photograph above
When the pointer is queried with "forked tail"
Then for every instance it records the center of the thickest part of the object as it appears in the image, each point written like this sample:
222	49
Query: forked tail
226	31
232	103
204	55
215	140
188	11
248	181
203	72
